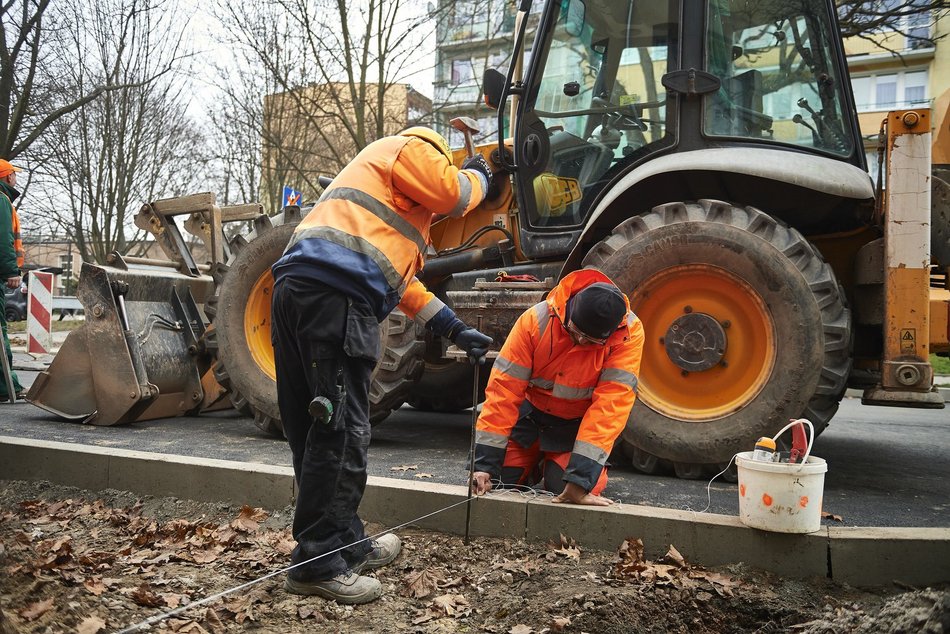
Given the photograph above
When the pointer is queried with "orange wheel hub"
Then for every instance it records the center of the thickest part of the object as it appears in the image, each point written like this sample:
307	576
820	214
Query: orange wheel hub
257	324
710	342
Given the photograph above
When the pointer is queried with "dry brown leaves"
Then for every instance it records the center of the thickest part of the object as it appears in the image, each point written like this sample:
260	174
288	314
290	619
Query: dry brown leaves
671	570
240	543
451	605
568	548
831	516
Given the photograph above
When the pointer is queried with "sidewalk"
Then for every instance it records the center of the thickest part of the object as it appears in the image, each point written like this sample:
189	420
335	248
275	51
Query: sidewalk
23	360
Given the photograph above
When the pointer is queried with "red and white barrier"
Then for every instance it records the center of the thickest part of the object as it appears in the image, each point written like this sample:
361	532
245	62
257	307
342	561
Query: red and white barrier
39	308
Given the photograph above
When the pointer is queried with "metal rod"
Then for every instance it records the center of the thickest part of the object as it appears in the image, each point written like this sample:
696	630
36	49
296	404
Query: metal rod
8	376
471	449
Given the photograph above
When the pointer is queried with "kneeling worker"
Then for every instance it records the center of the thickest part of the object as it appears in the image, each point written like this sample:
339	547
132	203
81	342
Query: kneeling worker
561	391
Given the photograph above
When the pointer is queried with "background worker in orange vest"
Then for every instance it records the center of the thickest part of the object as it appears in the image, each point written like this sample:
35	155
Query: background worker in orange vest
561	391
350	262
11	257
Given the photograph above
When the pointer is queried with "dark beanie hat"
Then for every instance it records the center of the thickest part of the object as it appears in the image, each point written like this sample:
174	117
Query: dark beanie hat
598	309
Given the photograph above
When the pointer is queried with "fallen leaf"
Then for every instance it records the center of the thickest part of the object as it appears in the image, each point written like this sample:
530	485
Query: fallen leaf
830	516
423	475
214	622
36	610
560	623
422	583
405	467
143	595
247	520
91	625
592	577
568	548
452	605
674	555
521	629
94	585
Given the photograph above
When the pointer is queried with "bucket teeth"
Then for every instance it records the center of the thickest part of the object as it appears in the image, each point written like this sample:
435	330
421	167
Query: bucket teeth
237	243
263	224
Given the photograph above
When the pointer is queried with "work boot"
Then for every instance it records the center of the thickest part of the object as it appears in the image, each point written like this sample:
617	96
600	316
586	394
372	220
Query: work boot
385	550
348	587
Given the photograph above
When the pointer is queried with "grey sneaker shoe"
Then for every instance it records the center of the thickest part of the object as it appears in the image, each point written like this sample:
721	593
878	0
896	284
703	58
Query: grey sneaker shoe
349	587
385	550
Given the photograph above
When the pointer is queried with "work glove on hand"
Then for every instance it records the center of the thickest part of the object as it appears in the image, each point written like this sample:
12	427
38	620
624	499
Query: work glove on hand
479	164
474	343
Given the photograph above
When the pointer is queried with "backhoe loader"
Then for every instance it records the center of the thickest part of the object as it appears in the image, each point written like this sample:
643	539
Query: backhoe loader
705	154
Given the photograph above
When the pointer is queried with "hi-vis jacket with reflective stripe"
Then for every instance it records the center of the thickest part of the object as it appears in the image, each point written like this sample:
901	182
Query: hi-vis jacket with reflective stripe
541	363
367	235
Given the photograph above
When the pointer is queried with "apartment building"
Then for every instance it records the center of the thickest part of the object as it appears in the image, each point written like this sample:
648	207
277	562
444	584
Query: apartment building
889	70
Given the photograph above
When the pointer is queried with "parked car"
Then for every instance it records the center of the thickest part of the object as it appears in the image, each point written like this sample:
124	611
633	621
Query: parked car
15	304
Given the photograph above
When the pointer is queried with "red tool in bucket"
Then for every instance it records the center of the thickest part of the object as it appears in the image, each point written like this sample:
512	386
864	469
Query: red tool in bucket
783	497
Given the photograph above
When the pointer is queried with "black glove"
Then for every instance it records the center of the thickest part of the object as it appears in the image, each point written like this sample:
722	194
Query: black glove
479	164
474	343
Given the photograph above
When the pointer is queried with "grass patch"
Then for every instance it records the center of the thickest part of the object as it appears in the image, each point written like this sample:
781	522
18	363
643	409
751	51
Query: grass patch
70	323
941	365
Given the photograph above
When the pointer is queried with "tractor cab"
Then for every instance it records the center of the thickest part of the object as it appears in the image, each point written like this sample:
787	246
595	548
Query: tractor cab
610	86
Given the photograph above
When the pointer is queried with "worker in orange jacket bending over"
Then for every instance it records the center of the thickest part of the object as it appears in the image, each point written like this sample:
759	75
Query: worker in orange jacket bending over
350	262
561	391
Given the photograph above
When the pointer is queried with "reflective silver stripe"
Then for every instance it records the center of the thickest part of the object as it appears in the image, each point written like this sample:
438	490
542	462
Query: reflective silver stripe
566	392
465	191
430	310
544	384
359	245
572	393
491	439
543	313
512	369
379	210
588	450
465	195
619	376
631	319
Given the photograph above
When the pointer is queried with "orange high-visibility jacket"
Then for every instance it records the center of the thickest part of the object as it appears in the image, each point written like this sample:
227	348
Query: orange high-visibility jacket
369	231
541	363
17	240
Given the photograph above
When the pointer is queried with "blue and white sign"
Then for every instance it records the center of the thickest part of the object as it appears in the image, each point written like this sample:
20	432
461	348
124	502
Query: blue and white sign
292	196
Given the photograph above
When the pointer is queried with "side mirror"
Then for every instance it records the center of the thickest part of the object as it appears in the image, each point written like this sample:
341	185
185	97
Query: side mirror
493	86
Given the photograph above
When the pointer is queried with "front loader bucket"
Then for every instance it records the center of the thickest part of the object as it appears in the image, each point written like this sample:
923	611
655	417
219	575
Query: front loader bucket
139	355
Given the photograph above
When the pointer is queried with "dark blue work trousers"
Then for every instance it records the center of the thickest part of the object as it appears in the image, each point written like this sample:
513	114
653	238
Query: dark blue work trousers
325	344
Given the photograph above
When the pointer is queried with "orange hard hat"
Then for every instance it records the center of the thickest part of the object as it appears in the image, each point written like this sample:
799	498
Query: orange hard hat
7	168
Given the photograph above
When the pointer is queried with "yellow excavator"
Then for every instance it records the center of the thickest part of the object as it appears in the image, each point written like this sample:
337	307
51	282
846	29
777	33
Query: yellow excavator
705	154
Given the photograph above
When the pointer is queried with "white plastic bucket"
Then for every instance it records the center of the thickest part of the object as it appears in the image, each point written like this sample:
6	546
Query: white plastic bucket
781	497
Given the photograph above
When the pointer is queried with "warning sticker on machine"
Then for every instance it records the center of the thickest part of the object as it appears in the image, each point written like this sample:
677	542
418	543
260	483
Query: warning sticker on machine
908	339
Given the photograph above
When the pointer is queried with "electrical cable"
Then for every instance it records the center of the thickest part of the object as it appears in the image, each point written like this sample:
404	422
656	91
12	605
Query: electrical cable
161	617
470	242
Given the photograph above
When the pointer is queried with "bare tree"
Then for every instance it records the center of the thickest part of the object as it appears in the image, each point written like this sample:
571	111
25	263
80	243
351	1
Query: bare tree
910	18
132	144
335	75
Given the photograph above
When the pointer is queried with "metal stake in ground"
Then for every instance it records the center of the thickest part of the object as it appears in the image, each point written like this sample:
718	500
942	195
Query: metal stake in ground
11	392
471	449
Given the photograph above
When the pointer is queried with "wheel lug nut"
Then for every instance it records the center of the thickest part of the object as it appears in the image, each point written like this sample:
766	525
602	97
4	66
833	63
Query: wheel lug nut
687	309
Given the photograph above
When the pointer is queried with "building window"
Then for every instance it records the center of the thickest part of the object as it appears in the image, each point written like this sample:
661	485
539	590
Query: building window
888	91
66	264
463	71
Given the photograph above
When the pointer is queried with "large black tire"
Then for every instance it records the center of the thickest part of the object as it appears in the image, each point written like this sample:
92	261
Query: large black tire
240	310
767	333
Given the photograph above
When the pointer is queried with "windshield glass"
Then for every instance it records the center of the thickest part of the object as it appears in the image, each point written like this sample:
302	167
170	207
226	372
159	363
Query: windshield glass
599	100
779	78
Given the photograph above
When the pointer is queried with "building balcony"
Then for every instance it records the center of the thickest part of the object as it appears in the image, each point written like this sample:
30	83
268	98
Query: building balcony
461	95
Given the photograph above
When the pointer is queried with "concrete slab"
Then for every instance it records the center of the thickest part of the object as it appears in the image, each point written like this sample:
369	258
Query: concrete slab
881	556
702	538
145	473
859	556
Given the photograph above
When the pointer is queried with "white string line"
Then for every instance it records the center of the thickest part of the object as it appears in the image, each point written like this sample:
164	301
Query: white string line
161	617
709	484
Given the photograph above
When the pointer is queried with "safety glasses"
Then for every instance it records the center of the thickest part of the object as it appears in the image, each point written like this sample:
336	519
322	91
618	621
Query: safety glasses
581	338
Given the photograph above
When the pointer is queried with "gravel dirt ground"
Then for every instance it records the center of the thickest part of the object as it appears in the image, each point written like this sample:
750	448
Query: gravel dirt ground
89	562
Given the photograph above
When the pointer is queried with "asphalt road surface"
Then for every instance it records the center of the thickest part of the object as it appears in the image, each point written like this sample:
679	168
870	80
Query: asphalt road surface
887	466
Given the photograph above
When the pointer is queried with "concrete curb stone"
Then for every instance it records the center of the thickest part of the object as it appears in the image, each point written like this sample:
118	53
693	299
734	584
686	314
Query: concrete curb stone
858	556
